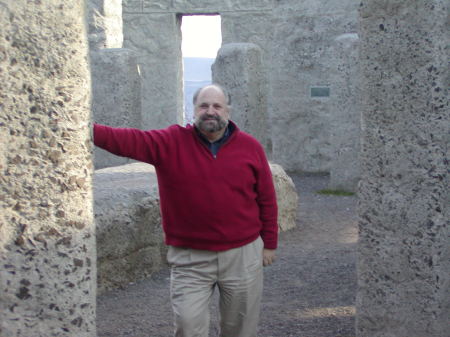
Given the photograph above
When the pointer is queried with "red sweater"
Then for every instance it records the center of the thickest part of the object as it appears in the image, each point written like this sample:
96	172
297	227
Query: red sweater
211	203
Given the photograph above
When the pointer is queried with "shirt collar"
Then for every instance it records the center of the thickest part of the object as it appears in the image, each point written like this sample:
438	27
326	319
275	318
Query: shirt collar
225	135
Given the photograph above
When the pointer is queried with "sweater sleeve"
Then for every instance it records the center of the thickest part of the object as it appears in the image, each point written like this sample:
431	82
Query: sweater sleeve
267	203
144	146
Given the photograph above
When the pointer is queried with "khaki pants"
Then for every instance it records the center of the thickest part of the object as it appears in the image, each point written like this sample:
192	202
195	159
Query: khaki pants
239	277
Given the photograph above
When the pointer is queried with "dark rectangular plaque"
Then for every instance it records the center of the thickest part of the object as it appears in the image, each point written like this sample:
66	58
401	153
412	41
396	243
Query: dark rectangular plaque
320	92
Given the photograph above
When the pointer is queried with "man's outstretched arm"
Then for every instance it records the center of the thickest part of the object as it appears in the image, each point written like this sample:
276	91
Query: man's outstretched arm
127	142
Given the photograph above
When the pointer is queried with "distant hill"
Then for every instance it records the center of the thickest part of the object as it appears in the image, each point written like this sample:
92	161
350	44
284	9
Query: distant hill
197	73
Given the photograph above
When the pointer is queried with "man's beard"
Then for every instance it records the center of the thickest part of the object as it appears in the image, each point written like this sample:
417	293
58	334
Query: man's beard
205	124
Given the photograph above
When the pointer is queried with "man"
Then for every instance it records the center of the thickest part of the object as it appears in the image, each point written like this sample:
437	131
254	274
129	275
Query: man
218	209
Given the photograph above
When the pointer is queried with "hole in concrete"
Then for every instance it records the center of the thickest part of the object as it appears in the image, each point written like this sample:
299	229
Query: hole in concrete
201	39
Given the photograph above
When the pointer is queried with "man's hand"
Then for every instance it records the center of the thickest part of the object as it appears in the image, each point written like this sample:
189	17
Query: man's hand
268	257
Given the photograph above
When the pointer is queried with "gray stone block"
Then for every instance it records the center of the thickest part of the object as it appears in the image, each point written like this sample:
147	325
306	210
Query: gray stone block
47	234
404	251
238	68
129	235
105	28
156	39
345	122
287	198
116	95
302	57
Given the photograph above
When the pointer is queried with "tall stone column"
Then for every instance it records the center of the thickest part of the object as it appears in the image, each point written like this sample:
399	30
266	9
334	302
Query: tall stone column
404	251
105	27
156	39
238	68
345	120
304	97
116	95
47	237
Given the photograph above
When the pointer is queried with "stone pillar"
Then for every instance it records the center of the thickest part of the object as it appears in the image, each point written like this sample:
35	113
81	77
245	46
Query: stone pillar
404	251
302	96
238	68
116	95
105	26
47	235
156	38
345	120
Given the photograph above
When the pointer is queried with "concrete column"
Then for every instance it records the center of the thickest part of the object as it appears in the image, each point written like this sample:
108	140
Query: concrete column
345	120
404	251
156	38
303	96
238	67
116	95
104	19
47	236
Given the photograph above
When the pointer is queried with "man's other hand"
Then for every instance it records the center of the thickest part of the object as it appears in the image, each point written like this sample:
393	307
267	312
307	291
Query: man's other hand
268	257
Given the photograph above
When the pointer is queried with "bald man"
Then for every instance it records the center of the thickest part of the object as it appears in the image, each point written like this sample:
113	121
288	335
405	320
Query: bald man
219	212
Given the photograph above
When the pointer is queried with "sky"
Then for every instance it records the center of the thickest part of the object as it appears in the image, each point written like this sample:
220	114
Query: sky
202	36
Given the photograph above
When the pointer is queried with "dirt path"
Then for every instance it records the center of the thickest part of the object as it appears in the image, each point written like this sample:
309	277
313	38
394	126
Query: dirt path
309	291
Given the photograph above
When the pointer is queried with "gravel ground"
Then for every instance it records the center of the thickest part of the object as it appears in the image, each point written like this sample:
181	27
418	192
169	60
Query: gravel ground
308	292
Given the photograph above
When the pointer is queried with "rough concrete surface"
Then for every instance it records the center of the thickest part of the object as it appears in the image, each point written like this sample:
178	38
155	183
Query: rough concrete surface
309	291
156	39
47	234
198	6
238	68
302	57
287	198
345	122
404	251
116	95
129	235
105	27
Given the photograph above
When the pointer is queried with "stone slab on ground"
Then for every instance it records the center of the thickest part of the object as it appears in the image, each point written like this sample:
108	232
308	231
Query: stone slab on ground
129	234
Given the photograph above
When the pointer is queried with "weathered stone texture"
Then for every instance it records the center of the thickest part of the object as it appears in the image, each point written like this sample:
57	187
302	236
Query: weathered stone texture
47	247
252	29
287	198
346	117
404	252
238	68
116	95
195	6
315	8
129	234
302	57
132	6
156	39
105	26
233	5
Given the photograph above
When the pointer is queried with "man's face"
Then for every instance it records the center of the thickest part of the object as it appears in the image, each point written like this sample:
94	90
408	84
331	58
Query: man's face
211	110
